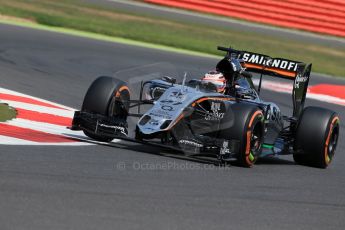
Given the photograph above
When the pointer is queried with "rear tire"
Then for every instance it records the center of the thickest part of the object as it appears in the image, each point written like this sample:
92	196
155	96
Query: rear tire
244	123
109	97
316	137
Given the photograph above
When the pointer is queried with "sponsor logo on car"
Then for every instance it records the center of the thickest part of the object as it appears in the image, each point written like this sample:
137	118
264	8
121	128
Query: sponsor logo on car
190	143
225	148
167	108
120	129
214	114
300	79
278	63
154	122
160	113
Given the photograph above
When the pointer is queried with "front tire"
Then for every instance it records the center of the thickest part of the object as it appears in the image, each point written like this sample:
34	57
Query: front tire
109	97
316	137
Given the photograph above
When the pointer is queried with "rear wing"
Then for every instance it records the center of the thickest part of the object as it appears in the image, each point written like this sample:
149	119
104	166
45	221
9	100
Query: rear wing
297	71
278	67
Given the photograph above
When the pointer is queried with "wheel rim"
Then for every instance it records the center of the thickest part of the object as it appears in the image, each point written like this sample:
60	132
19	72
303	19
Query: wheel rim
333	142
256	141
117	106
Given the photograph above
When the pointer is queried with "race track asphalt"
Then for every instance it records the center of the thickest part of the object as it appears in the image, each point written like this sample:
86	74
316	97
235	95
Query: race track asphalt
102	187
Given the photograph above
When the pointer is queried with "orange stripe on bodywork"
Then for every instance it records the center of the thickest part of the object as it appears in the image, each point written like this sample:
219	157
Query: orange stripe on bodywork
198	101
177	120
286	73
327	159
212	98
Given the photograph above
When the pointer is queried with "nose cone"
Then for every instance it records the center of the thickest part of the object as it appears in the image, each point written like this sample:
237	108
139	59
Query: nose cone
150	124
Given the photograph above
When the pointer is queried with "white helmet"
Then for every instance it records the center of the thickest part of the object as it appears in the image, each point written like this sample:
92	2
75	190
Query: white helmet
216	78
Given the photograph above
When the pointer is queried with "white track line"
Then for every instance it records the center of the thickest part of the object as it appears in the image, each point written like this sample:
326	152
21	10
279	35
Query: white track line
52	129
280	87
326	98
7	91
40	109
43	127
67	112
5	140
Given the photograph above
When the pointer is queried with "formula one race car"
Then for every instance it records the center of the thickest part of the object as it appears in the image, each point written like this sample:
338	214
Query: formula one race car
195	118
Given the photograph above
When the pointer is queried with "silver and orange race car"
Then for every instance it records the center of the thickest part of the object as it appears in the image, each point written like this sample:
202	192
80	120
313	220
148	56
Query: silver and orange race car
193	117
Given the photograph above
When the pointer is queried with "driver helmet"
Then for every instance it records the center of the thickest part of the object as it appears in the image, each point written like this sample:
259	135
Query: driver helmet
217	79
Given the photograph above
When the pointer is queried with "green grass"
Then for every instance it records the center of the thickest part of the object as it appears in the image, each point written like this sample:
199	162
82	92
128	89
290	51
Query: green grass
74	14
6	112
